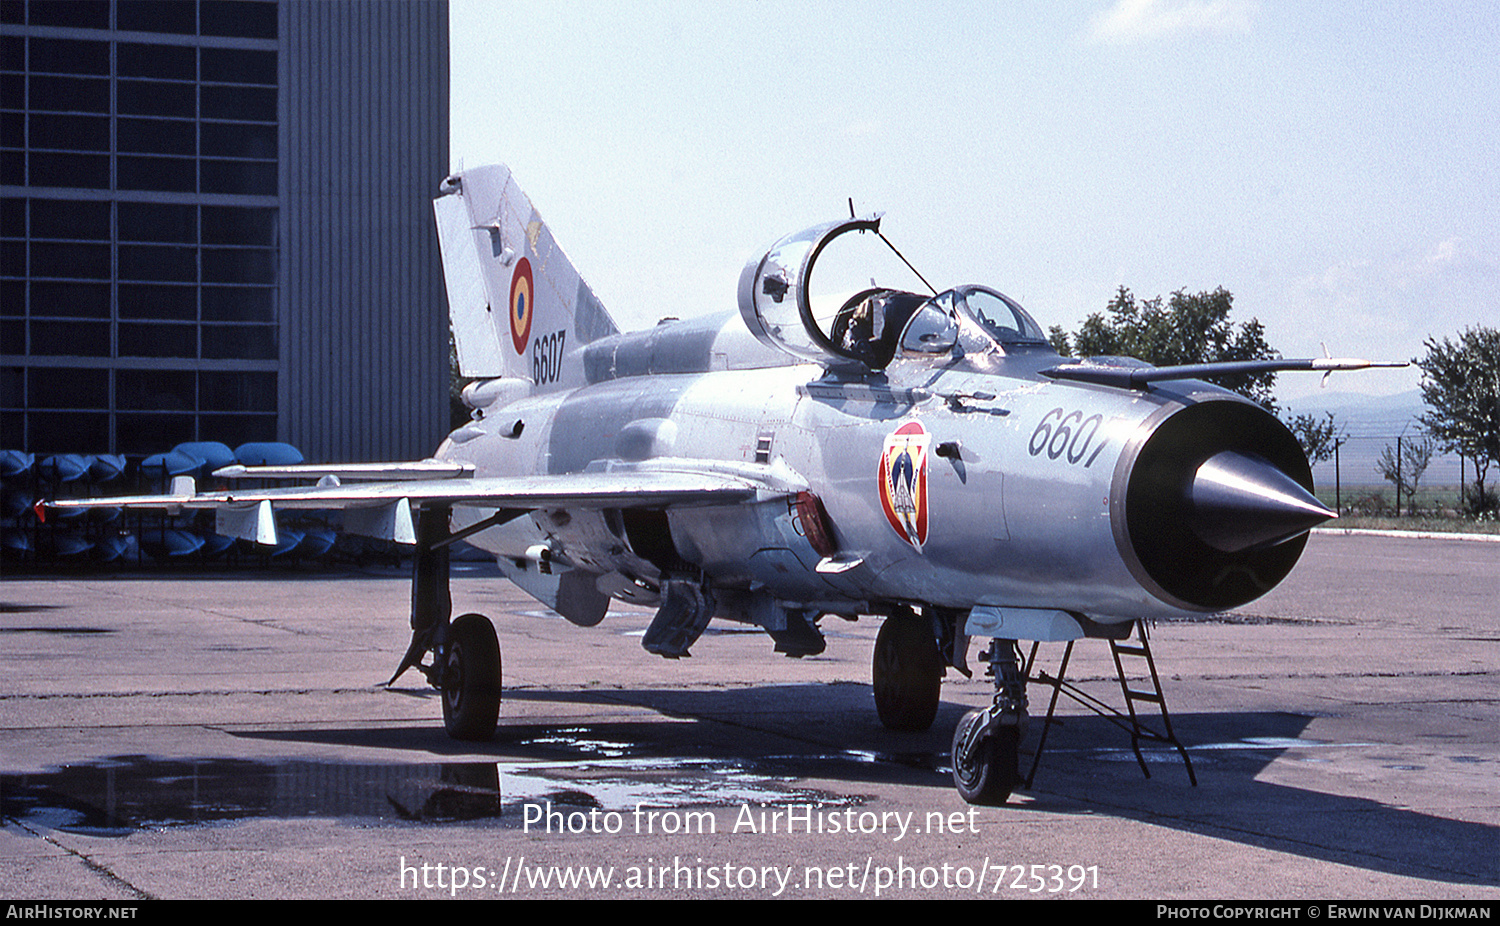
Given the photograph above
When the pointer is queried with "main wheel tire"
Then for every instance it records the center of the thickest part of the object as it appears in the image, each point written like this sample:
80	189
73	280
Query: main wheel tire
907	675
471	679
988	774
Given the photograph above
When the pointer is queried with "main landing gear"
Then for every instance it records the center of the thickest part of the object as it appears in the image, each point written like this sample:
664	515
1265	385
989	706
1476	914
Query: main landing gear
987	741
912	654
466	654
471	678
906	673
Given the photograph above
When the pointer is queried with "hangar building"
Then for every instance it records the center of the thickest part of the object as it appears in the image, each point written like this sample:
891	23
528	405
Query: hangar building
217	225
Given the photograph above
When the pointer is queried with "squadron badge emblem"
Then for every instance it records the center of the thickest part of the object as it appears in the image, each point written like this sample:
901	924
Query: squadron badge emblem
903	482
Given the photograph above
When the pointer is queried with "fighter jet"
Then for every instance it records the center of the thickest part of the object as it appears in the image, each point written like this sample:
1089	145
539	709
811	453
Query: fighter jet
926	458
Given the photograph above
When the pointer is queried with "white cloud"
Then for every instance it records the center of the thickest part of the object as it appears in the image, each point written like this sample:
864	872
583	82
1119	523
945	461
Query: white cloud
869	128
1450	266
1444	253
1130	21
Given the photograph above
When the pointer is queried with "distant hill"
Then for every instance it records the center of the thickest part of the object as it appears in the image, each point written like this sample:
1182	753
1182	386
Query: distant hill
1373	422
1382	416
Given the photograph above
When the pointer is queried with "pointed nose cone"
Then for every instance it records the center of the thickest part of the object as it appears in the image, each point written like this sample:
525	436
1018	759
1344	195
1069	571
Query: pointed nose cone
1240	501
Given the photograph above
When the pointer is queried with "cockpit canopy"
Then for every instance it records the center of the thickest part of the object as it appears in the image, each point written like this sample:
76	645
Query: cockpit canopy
876	325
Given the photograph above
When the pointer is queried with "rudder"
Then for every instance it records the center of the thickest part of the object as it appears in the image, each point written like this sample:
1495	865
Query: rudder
517	306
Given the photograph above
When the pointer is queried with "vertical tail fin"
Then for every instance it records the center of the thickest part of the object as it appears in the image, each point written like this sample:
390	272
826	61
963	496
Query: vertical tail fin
517	306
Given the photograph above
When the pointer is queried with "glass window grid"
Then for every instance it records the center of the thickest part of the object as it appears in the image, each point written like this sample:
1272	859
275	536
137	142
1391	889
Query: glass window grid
69	135
97	102
179	259
213	18
108	399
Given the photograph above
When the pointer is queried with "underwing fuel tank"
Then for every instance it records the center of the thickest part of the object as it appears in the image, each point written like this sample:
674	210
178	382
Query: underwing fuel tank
1213	505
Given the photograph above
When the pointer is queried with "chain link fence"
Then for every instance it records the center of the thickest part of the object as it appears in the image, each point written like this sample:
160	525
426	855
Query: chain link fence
1352	480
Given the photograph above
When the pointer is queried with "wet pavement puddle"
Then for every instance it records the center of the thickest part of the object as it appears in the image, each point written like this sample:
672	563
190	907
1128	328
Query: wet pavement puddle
574	767
125	794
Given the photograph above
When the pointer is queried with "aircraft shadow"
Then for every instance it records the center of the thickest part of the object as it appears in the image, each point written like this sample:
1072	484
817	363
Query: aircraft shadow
829	733
1088	765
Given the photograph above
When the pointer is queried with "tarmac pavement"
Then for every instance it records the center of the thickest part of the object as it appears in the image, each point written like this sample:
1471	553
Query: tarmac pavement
227	736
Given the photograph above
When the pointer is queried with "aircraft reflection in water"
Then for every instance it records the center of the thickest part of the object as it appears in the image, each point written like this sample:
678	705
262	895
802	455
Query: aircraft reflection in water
928	459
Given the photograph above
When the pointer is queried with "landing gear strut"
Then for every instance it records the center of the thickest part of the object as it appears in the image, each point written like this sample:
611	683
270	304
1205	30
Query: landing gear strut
466	653
986	742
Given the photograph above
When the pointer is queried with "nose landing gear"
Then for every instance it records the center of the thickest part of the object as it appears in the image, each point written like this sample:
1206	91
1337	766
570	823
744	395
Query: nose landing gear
986	742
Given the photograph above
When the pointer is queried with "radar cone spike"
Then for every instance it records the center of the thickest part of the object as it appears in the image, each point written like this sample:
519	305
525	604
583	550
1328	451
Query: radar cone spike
1241	501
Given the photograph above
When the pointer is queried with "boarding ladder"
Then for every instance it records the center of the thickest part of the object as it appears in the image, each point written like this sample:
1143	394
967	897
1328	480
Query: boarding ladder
1130	720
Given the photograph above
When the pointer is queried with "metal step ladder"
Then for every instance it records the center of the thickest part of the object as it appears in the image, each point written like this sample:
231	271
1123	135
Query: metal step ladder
1129	720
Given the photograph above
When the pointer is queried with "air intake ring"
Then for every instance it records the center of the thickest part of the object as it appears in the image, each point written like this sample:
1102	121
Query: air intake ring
1217	499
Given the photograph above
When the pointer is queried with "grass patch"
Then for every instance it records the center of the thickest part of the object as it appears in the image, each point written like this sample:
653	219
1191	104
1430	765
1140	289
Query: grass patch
1373	507
1415	523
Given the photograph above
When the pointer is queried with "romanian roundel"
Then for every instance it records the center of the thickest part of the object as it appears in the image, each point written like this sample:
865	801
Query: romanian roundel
903	482
522	307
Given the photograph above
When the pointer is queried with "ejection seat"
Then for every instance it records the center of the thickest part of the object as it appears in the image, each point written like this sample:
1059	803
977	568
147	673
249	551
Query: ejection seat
869	324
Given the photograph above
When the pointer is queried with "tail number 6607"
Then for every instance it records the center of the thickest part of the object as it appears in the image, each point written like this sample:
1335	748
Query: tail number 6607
1068	435
546	357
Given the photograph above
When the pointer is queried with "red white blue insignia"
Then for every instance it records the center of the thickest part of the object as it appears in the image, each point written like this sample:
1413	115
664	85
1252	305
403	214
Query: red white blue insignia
522	305
903	482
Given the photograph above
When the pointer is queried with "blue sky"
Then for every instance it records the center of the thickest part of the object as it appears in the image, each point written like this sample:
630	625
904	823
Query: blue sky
1331	164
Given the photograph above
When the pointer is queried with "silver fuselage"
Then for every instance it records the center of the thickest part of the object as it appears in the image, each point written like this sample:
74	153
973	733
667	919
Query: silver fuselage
1025	481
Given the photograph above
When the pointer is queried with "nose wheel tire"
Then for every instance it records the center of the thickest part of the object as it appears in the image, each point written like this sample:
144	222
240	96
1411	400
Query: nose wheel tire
907	674
986	772
471	679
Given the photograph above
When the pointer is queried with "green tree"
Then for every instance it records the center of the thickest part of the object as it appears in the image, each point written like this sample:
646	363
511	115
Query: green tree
1403	466
458	412
1318	436
1461	386
1187	328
